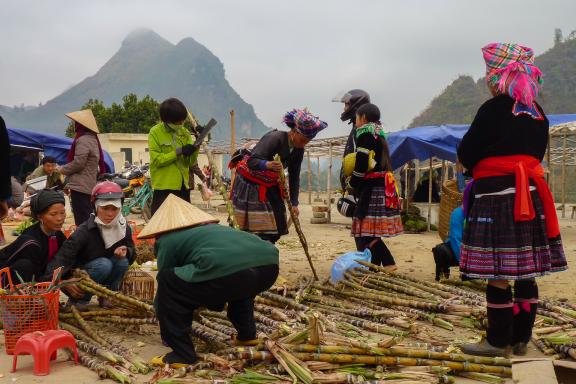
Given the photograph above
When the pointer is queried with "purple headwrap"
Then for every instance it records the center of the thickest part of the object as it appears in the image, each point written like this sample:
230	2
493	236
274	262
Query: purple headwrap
304	122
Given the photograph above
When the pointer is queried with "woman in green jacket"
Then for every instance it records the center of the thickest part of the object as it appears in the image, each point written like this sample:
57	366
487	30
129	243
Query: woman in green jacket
205	265
171	153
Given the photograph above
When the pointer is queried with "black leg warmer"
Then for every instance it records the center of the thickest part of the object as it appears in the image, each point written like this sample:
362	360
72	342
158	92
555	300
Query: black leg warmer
500	316
525	307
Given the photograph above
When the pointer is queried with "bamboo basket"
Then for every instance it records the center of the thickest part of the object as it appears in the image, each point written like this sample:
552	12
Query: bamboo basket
139	284
451	199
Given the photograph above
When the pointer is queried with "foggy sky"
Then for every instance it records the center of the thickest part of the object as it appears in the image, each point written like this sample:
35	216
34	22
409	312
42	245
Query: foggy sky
280	54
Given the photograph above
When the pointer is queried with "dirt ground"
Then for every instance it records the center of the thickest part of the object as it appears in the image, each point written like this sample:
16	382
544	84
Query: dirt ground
326	241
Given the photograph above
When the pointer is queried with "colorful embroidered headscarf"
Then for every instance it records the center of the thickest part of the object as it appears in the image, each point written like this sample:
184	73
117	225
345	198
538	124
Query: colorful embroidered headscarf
510	70
305	122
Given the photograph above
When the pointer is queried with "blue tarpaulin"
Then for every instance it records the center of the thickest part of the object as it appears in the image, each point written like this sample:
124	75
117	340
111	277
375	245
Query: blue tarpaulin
438	141
55	146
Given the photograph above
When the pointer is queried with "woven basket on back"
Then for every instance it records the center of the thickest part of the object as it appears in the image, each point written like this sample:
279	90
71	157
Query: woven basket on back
139	284
451	199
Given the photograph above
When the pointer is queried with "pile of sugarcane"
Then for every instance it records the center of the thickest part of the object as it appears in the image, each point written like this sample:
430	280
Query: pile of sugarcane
107	358
370	327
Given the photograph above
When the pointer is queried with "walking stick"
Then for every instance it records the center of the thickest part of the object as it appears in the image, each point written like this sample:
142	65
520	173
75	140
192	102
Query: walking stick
220	185
294	218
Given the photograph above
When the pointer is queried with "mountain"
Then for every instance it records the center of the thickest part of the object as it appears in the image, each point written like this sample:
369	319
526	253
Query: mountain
459	102
147	64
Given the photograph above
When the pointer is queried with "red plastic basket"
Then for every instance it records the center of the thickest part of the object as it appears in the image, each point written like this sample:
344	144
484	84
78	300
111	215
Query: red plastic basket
22	314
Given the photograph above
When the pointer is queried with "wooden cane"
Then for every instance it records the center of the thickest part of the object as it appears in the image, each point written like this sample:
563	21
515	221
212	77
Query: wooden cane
293	216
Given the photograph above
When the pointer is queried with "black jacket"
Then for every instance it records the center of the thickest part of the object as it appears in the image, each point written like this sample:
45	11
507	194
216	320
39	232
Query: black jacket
28	254
84	245
276	142
496	131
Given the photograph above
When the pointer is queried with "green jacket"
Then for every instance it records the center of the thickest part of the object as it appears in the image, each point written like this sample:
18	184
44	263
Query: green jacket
211	251
167	169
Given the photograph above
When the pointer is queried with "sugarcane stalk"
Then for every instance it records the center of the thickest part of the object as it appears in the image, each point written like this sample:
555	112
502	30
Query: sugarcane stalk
539	343
274	313
99	352
354	275
218	327
90	363
400	352
266	320
381	298
382	360
485	377
108	312
272	297
116	296
78	333
349	308
395	322
210	336
104	369
366	285
120	320
293	216
88	329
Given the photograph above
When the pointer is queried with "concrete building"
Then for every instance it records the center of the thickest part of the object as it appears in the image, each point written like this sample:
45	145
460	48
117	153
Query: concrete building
133	148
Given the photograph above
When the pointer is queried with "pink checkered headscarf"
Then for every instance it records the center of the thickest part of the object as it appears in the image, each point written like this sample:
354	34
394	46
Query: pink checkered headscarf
510	69
305	122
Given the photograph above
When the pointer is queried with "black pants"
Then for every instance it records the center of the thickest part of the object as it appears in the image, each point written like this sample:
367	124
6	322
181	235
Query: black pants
177	300
81	206
381	255
159	196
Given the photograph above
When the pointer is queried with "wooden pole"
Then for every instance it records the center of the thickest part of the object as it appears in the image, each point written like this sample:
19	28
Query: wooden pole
232	131
318	175
564	173
430	194
232	140
329	183
416	173
309	179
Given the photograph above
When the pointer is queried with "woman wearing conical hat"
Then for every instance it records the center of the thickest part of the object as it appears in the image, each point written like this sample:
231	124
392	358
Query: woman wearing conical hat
85	162
256	196
204	264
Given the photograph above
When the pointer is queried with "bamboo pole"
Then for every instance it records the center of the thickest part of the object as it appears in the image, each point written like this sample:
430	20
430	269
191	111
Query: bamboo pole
329	184
309	178
564	172
430	194
295	220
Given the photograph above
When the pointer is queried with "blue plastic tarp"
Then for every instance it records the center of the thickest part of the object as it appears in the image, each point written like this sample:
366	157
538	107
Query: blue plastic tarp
440	141
51	145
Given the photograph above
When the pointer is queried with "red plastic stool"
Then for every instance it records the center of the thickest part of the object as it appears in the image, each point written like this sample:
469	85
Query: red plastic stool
43	346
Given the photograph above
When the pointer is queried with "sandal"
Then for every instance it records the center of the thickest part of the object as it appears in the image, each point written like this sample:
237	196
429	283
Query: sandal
158	361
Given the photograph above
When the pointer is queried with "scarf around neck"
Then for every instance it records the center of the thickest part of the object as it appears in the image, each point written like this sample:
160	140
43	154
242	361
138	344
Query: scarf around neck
112	232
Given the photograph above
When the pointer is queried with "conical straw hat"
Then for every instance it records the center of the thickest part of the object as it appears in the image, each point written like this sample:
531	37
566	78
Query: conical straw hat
86	118
173	214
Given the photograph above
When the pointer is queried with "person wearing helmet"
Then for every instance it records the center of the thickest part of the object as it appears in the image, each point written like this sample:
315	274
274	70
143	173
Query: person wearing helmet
102	245
256	195
37	245
352	100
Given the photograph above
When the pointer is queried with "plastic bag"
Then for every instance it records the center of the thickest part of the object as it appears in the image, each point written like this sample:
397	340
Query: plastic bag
348	261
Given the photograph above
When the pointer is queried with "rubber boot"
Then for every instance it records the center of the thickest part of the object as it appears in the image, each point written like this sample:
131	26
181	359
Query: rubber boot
500	318
525	308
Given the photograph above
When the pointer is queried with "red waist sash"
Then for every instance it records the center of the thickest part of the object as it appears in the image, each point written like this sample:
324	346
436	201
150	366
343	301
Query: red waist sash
524	168
264	179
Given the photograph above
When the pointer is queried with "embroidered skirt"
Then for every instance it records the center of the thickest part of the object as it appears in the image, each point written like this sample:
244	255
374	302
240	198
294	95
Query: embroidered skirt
255	216
376	220
494	246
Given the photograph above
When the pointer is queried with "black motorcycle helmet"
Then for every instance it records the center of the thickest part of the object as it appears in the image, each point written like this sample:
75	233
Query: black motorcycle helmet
354	98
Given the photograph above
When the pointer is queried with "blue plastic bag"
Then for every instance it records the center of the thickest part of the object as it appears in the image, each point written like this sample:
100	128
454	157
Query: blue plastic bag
348	261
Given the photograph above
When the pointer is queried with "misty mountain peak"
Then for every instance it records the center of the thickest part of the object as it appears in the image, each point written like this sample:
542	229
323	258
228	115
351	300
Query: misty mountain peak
144	37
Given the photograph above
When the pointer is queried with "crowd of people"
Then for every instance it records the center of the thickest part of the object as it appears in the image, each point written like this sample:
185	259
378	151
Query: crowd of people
506	229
